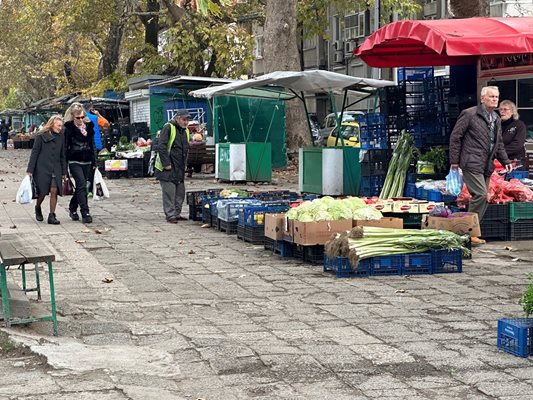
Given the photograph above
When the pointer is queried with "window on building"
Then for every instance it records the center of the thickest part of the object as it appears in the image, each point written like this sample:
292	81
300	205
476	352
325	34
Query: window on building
336	28
354	25
259	46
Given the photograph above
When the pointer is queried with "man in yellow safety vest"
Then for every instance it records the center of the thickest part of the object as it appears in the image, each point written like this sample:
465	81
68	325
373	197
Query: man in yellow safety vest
170	164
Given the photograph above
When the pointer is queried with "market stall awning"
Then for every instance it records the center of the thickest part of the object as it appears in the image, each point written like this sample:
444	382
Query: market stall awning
310	81
414	43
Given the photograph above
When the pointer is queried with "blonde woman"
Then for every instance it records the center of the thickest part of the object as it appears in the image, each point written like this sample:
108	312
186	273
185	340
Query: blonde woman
81	158
514	131
47	165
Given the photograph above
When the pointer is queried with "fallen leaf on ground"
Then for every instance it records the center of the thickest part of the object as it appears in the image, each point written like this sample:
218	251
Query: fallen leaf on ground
107	280
205	226
98	231
516	259
86	231
508	248
400	291
80	241
181	242
13	227
4	202
219	272
192	252
157	230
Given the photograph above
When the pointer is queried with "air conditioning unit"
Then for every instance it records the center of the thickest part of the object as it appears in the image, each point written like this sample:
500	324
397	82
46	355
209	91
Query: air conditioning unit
339	57
349	47
337	45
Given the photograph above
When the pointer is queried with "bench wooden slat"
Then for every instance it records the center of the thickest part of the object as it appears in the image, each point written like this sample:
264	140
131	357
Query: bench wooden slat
15	250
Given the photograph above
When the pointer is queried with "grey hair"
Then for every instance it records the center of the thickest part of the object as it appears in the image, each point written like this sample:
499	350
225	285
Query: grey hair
512	106
485	89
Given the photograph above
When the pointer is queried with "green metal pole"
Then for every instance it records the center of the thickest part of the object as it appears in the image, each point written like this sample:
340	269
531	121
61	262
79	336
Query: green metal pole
240	119
23	271
5	295
38	281
253	120
307	117
52	298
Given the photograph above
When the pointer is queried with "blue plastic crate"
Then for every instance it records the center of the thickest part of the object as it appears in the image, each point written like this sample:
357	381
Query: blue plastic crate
254	214
421	193
415	74
371	185
434	195
372	119
445	261
410	190
449	199
343	269
417	263
517	174
515	336
383	265
284	248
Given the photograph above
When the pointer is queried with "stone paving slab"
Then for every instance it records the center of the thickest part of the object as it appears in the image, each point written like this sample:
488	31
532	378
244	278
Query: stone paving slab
188	312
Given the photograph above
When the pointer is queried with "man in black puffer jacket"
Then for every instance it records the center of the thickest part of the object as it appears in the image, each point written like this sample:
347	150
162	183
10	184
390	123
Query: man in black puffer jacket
475	142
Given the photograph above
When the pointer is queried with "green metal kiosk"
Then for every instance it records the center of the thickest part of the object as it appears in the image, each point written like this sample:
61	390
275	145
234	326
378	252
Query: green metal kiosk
318	167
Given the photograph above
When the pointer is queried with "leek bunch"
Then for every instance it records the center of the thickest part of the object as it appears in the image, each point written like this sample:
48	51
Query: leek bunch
399	164
366	242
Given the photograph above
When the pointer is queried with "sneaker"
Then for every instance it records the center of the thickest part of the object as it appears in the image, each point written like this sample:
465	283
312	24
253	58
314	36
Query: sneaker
477	241
180	218
38	214
73	215
86	219
52	220
172	220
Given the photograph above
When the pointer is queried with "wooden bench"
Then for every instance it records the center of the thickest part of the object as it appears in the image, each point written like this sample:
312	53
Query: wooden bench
18	250
199	154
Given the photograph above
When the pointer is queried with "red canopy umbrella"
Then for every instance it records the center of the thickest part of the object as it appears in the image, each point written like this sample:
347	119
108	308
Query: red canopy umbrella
412	43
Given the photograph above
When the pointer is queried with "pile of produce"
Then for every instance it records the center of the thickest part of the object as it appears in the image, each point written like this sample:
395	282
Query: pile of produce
500	192
366	242
228	193
399	164
329	209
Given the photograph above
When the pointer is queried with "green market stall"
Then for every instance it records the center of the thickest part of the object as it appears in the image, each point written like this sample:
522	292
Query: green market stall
319	167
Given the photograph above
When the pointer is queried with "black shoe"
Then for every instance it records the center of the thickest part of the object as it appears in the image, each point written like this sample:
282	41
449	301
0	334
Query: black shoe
86	219
73	215
52	220
38	214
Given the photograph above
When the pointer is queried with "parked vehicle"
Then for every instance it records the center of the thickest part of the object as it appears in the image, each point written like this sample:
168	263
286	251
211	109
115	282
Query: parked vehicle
350	135
313	121
330	123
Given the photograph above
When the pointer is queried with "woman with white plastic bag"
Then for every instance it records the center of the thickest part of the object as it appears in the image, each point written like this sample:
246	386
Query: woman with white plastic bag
100	191
48	167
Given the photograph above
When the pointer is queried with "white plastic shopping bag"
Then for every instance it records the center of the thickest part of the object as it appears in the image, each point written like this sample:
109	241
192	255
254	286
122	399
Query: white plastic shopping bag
24	194
100	190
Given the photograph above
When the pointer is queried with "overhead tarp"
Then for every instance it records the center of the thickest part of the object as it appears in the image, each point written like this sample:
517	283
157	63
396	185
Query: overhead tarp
414	43
311	81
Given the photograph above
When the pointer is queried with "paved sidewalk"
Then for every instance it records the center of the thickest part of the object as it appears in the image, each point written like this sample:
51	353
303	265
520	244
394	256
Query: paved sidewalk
192	313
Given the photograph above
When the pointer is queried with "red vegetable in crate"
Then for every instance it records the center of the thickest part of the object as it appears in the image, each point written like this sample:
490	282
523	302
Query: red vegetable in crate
440	211
518	191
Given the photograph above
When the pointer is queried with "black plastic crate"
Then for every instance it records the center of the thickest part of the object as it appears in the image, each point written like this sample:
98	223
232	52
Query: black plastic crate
196	197
116	174
206	215
495	230
135	168
374	168
195	212
251	234
229	228
313	254
496	212
521	230
269	244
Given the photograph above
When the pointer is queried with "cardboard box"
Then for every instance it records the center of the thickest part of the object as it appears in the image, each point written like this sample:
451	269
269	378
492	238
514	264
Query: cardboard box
116	165
426	206
274	226
385	222
404	206
383	206
318	232
462	223
288	230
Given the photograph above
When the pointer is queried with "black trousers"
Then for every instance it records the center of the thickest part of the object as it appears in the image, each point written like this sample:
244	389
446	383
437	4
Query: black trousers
81	174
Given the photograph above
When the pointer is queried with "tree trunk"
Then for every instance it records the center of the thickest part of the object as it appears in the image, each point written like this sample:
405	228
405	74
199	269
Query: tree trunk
111	55
280	44
470	8
151	24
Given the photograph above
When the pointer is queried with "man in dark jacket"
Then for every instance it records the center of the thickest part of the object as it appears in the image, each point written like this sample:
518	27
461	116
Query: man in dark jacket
475	142
170	164
4	133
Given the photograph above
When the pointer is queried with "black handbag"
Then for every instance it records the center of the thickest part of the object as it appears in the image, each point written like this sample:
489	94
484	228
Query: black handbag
34	192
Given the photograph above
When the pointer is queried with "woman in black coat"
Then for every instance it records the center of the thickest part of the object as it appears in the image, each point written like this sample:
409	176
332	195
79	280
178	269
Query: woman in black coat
81	158
47	166
514	132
